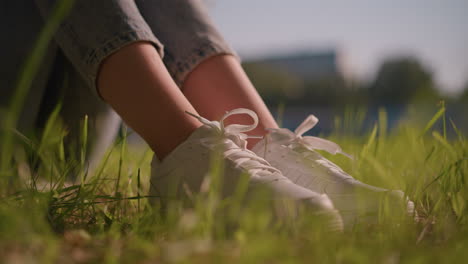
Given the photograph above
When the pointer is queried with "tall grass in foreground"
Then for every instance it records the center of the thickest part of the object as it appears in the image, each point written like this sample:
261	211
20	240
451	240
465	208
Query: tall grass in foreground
105	215
29	70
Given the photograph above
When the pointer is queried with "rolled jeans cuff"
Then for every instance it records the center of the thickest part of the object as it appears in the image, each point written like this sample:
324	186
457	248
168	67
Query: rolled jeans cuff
94	29
96	56
181	67
187	32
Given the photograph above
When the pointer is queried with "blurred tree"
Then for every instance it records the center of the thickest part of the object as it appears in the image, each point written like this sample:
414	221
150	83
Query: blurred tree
274	85
326	91
402	80
464	95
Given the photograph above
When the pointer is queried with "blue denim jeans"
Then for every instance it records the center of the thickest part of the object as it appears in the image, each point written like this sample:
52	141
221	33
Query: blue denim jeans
180	30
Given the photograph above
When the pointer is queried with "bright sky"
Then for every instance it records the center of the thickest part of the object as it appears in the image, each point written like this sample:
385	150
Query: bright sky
366	31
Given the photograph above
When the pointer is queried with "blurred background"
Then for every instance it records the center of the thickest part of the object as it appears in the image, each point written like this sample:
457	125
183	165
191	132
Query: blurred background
345	61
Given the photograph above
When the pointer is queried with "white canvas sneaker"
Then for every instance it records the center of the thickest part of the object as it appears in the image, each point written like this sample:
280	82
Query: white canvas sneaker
295	156
184	170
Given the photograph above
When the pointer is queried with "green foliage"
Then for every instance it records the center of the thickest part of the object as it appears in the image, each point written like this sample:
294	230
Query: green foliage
30	68
105	216
401	80
276	84
463	98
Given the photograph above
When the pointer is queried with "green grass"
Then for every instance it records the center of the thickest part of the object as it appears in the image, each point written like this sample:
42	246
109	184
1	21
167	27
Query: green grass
105	216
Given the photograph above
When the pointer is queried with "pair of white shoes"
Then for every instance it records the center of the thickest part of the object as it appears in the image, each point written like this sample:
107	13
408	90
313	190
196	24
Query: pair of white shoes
283	162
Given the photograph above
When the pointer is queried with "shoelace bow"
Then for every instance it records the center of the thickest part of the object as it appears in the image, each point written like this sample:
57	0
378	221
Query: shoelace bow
235	132
286	137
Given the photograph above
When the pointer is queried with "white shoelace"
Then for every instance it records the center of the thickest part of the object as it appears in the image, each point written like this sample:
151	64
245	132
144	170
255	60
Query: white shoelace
235	132
286	137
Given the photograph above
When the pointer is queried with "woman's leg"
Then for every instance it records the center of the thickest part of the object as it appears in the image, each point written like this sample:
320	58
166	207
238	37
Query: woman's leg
202	62
110	44
135	82
219	84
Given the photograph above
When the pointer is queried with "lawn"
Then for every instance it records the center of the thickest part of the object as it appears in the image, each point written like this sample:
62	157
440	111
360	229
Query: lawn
105	216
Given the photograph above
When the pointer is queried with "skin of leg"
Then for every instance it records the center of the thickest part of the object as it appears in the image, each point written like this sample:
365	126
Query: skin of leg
219	84
135	82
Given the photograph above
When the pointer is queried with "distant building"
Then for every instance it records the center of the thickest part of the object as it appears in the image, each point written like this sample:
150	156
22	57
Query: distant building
309	66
